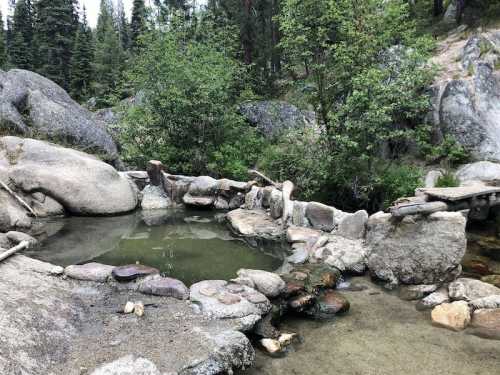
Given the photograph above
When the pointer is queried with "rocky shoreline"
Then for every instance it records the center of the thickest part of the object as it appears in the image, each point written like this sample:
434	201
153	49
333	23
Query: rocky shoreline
104	318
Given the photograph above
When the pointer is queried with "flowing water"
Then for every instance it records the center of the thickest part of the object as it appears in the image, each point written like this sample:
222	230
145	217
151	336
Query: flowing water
188	245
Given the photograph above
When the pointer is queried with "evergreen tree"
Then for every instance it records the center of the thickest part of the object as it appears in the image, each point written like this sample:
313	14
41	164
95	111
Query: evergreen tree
123	26
81	65
21	43
55	35
109	59
3	47
138	22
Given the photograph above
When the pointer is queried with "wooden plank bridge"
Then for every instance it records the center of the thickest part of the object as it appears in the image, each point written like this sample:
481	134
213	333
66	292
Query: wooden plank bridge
478	199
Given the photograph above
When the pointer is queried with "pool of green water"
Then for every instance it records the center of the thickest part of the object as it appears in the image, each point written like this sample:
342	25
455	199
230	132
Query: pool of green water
187	245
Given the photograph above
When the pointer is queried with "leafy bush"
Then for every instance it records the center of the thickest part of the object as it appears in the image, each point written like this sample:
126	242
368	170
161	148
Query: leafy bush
448	179
188	118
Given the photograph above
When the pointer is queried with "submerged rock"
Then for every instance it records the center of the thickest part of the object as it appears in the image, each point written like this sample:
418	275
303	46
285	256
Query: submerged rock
132	272
455	316
434	299
328	304
416	250
488	321
90	272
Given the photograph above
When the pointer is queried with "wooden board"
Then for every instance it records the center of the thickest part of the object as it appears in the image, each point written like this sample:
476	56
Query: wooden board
459	193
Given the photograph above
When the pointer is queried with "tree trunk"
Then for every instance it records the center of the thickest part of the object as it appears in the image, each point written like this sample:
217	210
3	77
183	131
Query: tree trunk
246	37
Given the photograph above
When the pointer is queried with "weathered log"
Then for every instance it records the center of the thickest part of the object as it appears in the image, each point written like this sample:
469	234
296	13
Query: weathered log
18	198
154	169
422	209
21	246
287	201
254	173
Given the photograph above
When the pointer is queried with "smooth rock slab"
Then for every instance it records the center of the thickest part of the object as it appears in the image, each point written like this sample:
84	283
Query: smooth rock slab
90	272
471	289
455	316
268	283
222	300
164	286
254	223
132	272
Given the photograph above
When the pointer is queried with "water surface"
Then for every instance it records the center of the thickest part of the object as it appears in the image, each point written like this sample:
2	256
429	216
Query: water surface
188	245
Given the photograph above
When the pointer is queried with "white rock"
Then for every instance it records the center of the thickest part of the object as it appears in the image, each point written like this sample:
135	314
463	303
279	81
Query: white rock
129	308
286	339
272	346
139	309
268	283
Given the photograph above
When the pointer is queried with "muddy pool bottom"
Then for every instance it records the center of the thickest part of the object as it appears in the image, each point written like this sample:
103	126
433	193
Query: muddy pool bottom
185	244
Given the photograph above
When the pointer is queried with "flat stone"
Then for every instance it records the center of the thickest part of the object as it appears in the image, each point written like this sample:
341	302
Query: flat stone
455	316
191	200
254	223
300	234
223	305
89	272
164	286
132	271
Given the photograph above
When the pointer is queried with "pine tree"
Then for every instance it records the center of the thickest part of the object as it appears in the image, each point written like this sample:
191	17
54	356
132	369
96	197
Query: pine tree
3	46
123	25
21	38
138	22
109	59
81	64
55	35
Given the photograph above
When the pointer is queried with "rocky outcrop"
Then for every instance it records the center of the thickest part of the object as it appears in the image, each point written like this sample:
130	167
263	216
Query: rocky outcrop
274	118
416	250
49	326
78	182
31	105
467	106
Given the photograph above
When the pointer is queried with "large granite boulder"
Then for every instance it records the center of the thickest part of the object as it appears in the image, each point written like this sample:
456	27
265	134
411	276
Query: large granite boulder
468	107
32	105
79	182
483	171
416	250
274	118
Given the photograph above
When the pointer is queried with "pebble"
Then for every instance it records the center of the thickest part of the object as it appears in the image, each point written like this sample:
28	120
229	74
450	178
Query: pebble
139	309
129	308
272	346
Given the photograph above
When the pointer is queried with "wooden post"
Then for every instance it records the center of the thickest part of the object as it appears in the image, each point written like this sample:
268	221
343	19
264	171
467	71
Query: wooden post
154	169
21	246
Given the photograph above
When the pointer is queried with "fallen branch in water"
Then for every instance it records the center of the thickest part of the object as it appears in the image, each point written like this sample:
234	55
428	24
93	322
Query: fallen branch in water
17	198
21	246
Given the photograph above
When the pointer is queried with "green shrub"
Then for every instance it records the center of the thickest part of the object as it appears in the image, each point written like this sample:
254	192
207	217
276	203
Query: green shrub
448	179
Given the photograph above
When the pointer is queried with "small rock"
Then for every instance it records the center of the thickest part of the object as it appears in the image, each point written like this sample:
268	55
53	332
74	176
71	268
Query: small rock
329	304
302	302
455	316
165	286
272	346
56	271
268	283
139	309
471	289
414	292
439	297
132	271
129	308
286	339
89	272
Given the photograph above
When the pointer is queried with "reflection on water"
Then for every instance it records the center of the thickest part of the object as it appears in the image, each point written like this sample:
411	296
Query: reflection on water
188	245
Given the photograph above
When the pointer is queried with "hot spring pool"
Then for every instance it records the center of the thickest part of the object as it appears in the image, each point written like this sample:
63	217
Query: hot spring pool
188	245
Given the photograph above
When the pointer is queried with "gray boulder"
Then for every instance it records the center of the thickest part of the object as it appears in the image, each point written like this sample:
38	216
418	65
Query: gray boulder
89	272
468	108
483	171
323	217
155	198
274	118
33	105
345	254
471	289
254	223
353	226
416	250
79	182
268	283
